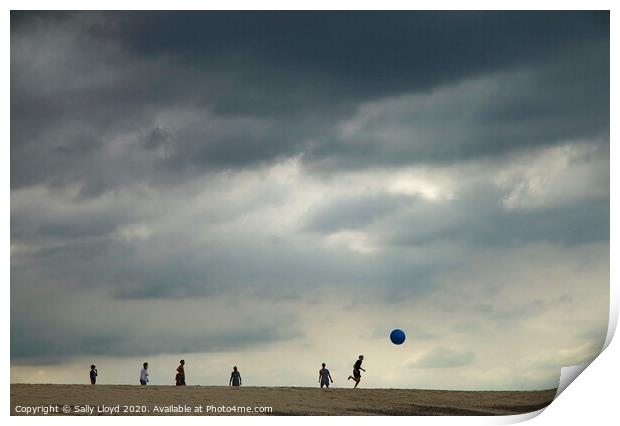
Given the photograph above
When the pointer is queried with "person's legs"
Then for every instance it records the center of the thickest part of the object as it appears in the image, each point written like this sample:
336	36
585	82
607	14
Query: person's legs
357	382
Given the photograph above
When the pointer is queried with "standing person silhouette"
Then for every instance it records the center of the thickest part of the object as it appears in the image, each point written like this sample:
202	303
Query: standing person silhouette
180	377
357	376
324	377
93	374
235	377
144	375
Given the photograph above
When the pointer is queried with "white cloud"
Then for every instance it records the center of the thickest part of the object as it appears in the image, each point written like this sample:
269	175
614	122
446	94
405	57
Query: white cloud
442	358
555	176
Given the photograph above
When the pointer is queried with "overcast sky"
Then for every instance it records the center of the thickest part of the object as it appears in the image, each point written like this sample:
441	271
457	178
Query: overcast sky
277	190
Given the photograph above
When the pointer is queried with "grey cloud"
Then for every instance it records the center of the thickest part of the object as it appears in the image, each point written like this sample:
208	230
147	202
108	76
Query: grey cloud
31	224
477	218
90	323
112	82
489	117
163	269
354	213
401	51
157	138
32	347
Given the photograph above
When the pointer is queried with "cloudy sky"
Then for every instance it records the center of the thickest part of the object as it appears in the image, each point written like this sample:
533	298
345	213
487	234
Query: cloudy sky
277	190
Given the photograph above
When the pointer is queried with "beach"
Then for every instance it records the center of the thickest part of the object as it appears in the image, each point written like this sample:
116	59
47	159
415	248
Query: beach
55	399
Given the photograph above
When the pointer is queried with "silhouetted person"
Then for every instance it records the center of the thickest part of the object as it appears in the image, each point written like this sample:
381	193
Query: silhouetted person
324	377
357	376
144	375
235	377
180	377
93	374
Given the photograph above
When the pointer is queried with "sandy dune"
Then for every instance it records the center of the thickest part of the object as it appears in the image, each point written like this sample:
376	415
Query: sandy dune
155	400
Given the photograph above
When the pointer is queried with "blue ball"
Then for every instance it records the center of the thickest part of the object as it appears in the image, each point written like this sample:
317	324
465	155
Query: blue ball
397	336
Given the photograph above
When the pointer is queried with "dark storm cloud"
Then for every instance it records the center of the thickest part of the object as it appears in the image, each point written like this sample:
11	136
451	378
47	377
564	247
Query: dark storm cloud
264	86
366	53
36	225
492	116
117	116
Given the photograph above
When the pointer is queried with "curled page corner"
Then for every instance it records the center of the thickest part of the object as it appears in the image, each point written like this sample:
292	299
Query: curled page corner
613	318
517	418
568	374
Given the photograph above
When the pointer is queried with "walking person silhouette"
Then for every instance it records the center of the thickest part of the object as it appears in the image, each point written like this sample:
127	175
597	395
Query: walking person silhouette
324	377
180	377
235	377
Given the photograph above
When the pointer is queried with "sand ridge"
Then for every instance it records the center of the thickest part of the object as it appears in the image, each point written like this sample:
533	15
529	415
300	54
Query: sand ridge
220	400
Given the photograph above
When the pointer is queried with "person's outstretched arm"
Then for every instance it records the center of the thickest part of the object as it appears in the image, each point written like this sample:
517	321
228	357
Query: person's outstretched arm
240	379
330	377
230	381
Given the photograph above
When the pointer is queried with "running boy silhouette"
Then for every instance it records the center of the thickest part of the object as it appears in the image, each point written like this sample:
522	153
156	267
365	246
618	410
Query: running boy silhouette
357	376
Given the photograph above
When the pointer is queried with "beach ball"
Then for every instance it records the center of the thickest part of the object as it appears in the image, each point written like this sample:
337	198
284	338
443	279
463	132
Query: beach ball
397	336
